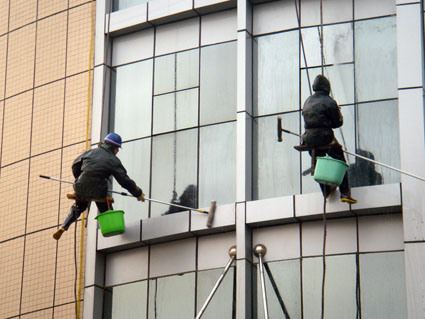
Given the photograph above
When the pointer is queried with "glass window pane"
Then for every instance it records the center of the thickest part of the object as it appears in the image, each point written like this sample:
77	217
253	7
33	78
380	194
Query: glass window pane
172	297
376	59
276	165
218	83
187	69
338	43
222	302
165	74
286	274
377	127
340	287
135	156
217	164
133	100
276	73
311	44
174	169
383	287
128	301
124	4
175	111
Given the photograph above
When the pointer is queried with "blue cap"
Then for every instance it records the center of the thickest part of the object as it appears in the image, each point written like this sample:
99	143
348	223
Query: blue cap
114	139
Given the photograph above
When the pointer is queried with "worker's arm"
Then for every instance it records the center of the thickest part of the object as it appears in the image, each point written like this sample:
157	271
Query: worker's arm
120	174
335	114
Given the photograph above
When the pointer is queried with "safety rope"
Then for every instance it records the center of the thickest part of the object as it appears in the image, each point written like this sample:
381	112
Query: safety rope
325	231
89	95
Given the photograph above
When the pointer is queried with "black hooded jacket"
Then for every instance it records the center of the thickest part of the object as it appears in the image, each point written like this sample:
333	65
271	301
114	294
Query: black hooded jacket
321	114
94	167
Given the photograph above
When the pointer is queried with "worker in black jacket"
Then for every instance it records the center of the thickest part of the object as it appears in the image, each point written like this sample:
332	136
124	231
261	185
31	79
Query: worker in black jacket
322	114
92	170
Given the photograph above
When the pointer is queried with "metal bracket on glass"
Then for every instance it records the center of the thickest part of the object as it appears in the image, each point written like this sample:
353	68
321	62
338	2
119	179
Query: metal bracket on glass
232	254
260	251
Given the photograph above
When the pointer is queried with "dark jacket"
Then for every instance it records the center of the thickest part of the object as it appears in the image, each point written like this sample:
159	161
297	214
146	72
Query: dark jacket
321	114
94	167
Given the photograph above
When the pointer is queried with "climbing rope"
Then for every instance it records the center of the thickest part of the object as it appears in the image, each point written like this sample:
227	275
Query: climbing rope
89	95
324	257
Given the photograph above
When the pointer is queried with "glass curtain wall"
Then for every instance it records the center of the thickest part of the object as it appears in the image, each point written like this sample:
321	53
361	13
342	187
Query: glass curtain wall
359	59
176	114
172	297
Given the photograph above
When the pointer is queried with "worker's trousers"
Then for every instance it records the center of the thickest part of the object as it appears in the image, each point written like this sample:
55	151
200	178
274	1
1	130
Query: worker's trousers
79	207
337	153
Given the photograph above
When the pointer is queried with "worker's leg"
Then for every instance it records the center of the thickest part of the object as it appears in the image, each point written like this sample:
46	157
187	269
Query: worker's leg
103	206
75	212
344	188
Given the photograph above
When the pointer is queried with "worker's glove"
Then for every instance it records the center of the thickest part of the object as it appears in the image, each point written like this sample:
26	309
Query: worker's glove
141	198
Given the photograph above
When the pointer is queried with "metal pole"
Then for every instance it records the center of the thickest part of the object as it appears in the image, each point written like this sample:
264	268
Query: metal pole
125	194
276	290
232	254
260	251
366	159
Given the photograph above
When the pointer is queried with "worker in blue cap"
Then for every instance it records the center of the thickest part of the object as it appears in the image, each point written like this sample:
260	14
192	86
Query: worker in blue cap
321	115
92	170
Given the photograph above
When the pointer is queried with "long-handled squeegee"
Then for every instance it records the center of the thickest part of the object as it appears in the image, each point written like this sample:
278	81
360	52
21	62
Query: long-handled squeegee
210	212
279	139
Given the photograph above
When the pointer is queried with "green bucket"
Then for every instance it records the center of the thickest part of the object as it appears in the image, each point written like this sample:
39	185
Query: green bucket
329	171
111	222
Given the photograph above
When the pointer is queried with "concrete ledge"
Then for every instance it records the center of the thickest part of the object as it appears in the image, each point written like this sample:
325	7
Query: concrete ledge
278	210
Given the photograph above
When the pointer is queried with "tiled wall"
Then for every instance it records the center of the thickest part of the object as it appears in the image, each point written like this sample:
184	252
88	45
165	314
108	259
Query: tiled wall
44	60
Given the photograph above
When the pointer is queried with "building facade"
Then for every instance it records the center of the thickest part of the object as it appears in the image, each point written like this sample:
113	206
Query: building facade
195	88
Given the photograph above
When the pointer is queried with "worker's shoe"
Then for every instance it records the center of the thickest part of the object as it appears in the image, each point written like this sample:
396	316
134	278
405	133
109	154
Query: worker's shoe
57	235
346	198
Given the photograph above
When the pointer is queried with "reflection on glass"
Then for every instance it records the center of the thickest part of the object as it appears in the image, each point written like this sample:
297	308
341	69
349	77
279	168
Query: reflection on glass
286	274
172	297
338	43
133	100
217	164
276	165
135	156
340	287
276	73
383	287
174	167
218	83
129	301
376	59
175	111
377	127
124	4
176	71
222	302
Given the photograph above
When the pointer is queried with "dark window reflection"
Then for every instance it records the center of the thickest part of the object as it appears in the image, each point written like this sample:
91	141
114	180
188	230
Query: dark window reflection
174	169
363	172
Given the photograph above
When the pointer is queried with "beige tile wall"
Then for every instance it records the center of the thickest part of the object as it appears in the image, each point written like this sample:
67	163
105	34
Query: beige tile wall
22	12
3	47
17	128
39	271
13	199
48	117
51	49
11	256
20	60
79	34
43	197
49	7
76	109
43	105
4	13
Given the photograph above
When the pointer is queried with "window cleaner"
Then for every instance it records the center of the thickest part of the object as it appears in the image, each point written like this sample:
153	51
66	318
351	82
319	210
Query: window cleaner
92	170
321	115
